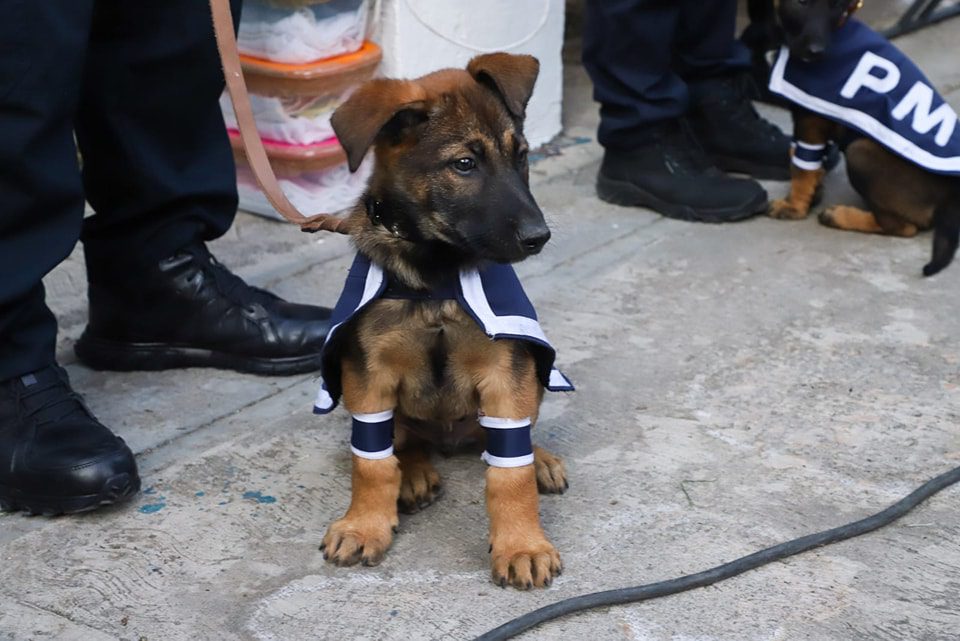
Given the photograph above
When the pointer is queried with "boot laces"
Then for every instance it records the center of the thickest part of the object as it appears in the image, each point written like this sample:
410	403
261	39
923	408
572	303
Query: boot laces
681	149
230	286
51	401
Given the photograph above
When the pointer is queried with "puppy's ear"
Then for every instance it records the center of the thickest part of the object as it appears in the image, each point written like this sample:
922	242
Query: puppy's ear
511	76
359	120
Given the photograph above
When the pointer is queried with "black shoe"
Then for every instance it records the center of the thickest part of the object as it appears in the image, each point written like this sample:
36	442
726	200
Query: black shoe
673	176
733	133
55	456
192	312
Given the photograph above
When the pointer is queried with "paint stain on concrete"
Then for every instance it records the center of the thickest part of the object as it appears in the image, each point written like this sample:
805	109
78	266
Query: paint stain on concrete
259	498
150	508
200	493
150	490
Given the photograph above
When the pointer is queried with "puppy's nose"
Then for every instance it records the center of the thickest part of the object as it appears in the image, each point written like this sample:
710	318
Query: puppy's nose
813	51
533	239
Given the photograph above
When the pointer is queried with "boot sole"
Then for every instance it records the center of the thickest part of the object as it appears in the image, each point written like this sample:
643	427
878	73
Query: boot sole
101	354
627	194
117	488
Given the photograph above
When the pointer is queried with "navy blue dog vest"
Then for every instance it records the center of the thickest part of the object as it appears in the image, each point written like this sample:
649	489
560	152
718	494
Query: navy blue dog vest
868	85
493	297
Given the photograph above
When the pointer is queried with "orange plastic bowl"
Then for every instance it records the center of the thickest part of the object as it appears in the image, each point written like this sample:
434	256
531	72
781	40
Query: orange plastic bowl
328	76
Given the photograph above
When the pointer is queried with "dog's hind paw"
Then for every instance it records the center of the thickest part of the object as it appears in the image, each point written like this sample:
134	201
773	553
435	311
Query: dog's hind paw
551	473
419	487
350	541
784	210
525	565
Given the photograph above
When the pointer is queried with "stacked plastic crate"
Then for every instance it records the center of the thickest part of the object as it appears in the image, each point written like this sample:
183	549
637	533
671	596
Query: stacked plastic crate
301	59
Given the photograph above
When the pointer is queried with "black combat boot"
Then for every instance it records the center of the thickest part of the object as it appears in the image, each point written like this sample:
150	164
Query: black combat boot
55	456
733	134
191	311
672	175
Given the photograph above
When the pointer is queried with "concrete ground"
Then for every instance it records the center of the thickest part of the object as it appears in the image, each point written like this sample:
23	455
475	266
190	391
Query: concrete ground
738	385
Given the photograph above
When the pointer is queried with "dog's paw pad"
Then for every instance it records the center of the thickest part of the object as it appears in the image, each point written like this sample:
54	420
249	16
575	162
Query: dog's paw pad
420	487
350	541
551	473
532	565
783	210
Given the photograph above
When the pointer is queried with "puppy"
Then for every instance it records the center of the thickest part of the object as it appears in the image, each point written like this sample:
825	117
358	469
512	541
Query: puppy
433	342
900	139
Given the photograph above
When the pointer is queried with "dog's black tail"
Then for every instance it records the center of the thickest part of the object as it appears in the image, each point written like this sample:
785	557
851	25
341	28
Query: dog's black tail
946	234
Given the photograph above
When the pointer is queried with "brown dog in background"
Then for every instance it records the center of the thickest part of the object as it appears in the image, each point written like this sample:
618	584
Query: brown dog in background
902	197
449	190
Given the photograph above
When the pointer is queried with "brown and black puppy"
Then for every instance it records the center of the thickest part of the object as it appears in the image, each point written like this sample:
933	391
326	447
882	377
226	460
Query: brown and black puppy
902	198
449	191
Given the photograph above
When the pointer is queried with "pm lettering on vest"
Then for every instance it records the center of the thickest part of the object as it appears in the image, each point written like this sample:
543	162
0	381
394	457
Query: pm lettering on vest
918	100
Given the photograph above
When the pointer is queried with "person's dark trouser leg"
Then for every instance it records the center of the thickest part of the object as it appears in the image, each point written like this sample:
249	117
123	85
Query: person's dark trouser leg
628	48
158	169
716	67
651	158
55	456
41	202
706	40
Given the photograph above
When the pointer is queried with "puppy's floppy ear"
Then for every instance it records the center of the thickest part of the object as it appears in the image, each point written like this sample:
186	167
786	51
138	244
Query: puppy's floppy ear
359	120
511	76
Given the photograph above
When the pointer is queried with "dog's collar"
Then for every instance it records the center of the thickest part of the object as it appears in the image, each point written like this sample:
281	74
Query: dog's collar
378	216
851	9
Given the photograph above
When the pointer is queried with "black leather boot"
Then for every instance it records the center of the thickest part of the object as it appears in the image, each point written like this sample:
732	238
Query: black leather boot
673	176
733	134
190	311
55	456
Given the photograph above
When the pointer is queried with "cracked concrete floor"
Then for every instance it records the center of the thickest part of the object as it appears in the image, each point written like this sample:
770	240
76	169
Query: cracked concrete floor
738	385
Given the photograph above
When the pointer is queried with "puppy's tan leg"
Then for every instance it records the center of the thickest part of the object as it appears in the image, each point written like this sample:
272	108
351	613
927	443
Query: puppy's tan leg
521	554
808	129
855	219
366	530
850	219
420	481
803	187
551	473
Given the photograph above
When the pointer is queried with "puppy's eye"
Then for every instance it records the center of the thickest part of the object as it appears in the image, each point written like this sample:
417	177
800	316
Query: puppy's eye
464	165
522	156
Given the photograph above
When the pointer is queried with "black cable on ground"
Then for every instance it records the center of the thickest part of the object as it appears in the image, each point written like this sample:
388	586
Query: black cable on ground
719	573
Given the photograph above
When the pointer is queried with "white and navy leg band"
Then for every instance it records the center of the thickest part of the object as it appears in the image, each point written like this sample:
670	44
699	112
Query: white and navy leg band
372	436
808	157
508	441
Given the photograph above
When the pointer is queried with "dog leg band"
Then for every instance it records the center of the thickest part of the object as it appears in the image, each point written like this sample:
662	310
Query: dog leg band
808	157
372	436
508	441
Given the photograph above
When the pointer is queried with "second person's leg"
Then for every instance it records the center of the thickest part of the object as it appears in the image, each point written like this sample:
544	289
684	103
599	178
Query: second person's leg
716	68
651	157
159	173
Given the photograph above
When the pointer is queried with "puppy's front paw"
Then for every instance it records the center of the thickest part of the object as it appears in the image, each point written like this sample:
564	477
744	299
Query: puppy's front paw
551	474
783	210
352	540
526	563
419	487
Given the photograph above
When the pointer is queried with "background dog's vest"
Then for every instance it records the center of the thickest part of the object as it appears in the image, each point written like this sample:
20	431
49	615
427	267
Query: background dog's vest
867	84
491	295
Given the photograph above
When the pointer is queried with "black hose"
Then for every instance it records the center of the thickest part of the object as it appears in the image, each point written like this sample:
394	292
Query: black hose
719	573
